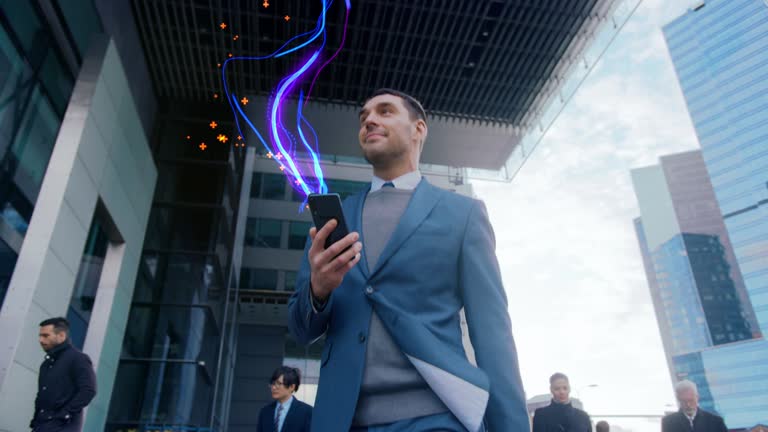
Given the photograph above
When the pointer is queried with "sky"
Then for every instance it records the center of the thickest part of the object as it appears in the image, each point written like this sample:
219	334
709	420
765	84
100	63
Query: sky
578	297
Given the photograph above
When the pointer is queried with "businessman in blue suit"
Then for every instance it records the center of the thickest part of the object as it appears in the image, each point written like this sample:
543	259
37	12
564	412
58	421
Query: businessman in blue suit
388	298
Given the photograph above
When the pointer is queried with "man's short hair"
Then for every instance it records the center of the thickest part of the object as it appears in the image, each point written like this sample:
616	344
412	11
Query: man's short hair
414	107
556	376
60	324
602	426
686	385
291	376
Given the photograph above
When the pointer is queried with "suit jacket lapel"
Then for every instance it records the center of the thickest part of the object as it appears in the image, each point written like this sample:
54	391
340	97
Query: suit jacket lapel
421	204
356	224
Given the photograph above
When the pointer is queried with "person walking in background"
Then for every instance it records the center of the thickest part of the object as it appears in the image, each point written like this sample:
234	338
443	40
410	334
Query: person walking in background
602	426
691	418
561	415
286	413
66	382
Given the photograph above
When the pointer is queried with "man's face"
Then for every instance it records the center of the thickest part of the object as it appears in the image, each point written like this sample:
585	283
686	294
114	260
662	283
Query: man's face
561	390
688	399
49	338
387	132
279	391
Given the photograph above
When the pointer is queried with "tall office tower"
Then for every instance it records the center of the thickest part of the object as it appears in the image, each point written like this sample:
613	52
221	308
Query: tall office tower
705	315
719	50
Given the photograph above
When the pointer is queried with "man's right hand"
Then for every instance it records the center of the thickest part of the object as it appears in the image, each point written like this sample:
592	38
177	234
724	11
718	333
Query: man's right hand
328	266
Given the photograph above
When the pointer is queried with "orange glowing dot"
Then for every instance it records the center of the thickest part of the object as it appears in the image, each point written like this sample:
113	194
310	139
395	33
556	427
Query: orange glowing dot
218	64
282	168
215	95
265	4
223	26
287	18
203	146
244	100
239	138
188	137
236	37
230	54
223	138
213	125
269	155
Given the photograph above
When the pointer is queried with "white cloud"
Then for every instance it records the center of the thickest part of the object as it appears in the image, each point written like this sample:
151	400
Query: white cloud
578	297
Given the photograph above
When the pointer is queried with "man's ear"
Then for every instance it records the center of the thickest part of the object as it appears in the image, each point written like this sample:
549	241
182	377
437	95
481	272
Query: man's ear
421	131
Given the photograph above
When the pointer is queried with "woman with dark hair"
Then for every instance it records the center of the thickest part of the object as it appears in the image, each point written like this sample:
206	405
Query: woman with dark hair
560	415
286	413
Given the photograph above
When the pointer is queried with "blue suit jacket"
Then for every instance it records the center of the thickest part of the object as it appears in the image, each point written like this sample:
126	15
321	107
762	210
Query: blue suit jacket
440	258
297	419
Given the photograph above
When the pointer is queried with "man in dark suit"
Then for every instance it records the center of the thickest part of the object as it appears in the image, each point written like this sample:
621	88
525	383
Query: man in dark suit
286	413
66	383
388	298
560	415
691	418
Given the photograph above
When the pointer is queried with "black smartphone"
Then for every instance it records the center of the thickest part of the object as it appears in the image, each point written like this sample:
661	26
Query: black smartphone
325	207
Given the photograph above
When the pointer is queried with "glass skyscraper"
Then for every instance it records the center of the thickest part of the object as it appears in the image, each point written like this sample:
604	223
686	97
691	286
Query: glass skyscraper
720	53
707	320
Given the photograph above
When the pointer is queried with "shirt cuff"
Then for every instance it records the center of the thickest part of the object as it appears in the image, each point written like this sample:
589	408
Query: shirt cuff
317	305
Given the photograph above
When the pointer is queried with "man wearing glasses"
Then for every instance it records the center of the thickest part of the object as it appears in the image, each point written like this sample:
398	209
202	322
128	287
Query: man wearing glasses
286	413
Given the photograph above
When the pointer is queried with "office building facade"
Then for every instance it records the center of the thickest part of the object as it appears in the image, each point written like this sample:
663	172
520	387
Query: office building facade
706	317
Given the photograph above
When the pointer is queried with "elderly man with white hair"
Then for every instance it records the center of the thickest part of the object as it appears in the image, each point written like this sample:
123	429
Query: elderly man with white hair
691	418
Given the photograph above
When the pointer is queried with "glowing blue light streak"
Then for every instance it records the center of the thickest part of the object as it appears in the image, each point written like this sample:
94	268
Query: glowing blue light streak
283	150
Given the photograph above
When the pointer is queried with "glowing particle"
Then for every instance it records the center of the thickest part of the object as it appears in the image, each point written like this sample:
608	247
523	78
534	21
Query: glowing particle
287	18
244	100
269	155
203	146
218	64
215	95
298	182
188	137
265	4
223	138
239	138
213	125
279	156
282	168
229	55
236	37
223	26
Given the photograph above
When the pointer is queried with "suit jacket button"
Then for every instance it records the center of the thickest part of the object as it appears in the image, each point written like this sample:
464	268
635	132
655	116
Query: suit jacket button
361	336
369	290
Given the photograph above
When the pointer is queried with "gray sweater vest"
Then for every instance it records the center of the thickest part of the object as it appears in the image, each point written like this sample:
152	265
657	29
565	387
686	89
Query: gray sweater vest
392	389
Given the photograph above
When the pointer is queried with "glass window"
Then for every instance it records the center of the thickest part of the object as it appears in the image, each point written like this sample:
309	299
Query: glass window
82	20
345	188
263	232
258	279
272	186
290	280
87	282
7	264
297	234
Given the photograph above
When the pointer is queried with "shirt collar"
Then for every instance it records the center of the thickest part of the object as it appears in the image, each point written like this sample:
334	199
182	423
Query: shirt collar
287	404
407	181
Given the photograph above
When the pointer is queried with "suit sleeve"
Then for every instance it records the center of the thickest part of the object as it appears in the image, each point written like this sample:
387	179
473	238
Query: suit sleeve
490	330
721	427
260	425
85	379
305	323
665	425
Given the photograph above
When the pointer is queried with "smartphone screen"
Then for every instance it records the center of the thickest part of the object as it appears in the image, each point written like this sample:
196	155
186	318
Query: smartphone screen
325	207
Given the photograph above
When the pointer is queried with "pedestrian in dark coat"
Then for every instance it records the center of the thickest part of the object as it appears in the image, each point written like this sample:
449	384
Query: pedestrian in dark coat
691	418
285	413
561	415
66	383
